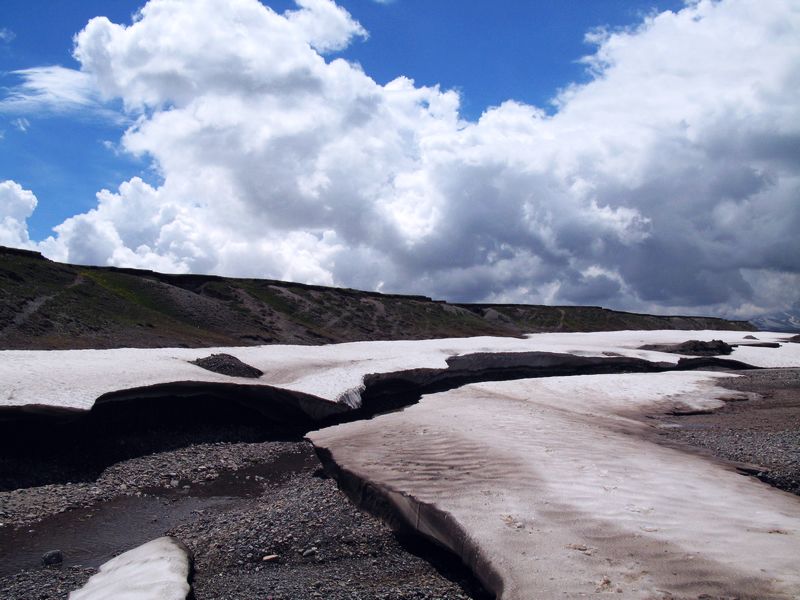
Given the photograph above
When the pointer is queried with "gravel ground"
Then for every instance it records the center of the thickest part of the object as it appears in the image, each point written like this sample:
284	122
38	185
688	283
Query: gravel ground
762	433
45	583
303	539
262	520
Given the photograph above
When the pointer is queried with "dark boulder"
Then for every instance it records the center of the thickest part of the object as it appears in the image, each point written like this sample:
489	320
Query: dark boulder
225	364
54	557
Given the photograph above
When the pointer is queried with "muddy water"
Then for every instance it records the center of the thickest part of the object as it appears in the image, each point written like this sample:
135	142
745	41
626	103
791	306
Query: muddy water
91	536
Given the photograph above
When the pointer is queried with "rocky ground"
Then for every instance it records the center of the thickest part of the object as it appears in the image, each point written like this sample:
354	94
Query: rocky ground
763	433
262	520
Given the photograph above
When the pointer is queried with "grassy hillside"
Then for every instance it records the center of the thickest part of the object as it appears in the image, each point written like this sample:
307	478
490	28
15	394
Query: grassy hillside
48	305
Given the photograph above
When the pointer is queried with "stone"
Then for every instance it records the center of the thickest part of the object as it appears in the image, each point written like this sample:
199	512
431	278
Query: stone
53	557
270	558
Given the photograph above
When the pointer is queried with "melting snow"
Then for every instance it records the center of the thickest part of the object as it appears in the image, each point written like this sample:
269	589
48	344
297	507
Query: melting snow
334	373
157	570
553	488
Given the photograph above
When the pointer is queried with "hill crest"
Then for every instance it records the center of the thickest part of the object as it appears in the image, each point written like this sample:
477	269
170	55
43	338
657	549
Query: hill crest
50	305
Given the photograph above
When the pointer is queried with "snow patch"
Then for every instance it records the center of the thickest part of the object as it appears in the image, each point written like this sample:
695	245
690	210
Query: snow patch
157	570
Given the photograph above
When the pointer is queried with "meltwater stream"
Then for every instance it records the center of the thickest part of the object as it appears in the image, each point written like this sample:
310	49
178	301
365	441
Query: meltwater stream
91	536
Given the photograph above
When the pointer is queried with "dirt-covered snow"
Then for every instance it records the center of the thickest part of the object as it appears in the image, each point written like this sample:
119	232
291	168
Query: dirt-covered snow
553	488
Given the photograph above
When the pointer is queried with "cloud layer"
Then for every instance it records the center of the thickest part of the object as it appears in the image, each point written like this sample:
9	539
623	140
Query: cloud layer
670	181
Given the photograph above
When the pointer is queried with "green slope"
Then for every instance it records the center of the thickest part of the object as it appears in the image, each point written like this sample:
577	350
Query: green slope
48	305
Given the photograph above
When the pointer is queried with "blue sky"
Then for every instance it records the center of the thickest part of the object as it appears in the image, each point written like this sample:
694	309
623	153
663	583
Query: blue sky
639	155
62	157
490	51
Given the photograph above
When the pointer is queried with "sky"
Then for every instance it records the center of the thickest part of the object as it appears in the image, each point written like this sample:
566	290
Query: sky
640	155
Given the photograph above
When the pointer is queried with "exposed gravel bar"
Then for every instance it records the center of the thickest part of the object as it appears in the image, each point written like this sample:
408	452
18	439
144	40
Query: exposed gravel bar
44	583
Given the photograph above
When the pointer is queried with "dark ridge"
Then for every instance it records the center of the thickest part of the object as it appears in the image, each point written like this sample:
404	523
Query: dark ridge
48	448
758	345
694	348
192	281
46	305
22	252
609	315
711	363
386	392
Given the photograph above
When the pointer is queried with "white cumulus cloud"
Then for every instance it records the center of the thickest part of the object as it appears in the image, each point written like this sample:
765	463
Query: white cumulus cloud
16	205
669	181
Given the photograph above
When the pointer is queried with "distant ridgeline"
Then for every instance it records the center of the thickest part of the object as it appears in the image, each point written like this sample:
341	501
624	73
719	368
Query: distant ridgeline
49	305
